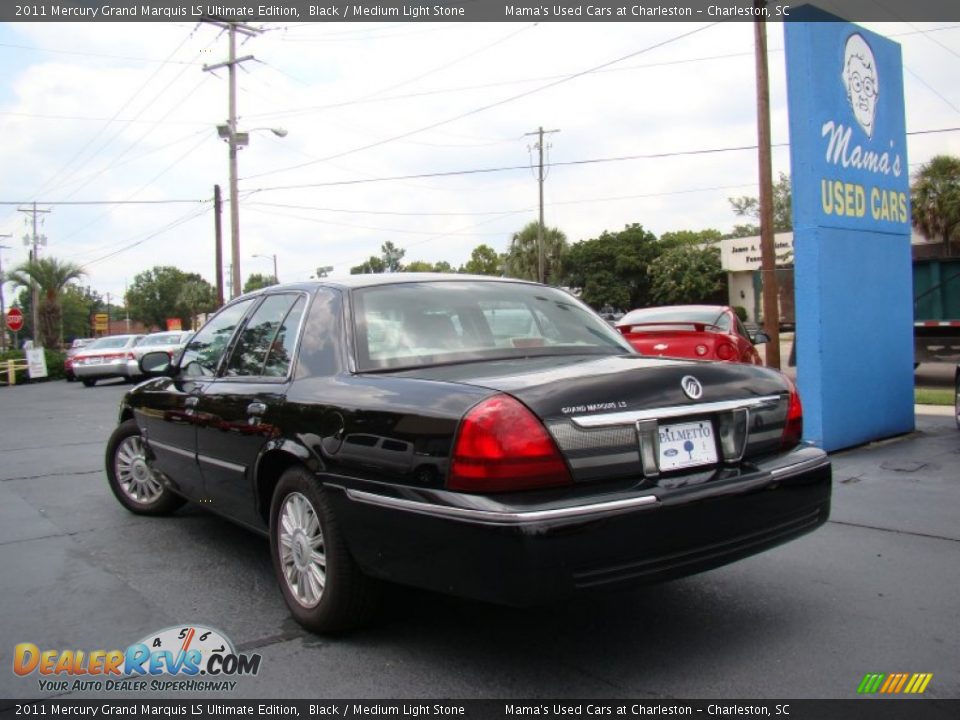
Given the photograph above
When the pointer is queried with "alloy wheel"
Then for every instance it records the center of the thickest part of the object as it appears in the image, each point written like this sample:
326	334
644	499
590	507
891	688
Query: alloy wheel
302	551
136	478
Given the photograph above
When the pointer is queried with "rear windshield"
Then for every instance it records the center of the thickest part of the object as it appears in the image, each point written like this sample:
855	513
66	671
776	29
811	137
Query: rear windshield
106	343
434	323
171	338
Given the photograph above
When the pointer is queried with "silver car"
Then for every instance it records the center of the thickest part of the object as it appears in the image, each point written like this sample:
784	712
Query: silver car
107	357
168	341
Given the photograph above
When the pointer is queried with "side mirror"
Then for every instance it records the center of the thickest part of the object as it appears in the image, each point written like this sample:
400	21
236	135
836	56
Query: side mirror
760	337
155	364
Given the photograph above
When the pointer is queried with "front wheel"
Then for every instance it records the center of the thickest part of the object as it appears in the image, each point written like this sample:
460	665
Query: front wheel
131	476
321	583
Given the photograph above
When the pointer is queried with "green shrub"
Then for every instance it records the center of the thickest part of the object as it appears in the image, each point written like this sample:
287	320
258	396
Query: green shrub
54	360
741	312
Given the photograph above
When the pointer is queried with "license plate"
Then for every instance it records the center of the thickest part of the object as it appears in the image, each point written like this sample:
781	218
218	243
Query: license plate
685	445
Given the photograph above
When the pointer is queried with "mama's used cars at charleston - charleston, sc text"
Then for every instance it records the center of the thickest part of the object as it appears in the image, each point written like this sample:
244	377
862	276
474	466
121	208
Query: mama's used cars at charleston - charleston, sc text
488	438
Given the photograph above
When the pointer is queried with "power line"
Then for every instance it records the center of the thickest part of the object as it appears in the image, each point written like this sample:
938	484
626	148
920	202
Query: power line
103	202
489	106
508	168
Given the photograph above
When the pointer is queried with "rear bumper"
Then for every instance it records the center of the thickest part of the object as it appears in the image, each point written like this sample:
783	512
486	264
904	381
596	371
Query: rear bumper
119	368
528	553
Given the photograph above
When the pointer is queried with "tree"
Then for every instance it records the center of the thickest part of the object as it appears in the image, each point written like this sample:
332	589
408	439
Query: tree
484	260
746	206
613	269
154	295
79	305
685	274
935	199
389	261
392	256
418	266
51	277
257	281
198	296
372	265
523	256
690	237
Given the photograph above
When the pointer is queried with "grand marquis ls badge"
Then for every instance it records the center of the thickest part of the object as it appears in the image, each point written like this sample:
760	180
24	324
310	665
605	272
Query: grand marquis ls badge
691	387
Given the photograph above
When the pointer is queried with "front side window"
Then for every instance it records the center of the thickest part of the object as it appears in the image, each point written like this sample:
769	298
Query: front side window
204	352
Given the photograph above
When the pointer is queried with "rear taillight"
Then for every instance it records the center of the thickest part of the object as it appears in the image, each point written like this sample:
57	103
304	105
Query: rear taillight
726	351
502	446
793	428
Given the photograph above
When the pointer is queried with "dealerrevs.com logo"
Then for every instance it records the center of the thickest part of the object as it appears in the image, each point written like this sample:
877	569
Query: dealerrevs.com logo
186	658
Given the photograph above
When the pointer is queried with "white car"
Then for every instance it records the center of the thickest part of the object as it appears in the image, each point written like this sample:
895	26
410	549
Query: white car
107	357
168	341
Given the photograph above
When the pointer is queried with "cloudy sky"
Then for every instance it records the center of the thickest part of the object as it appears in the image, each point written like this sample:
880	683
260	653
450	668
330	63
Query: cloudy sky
408	132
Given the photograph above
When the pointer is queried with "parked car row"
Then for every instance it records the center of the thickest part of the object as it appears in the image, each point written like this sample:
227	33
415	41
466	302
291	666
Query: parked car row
116	356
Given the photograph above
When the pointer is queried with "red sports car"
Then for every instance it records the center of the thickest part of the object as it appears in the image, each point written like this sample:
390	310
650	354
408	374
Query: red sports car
703	332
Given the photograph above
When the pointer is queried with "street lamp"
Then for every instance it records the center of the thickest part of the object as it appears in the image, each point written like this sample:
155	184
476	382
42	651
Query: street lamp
276	279
236	140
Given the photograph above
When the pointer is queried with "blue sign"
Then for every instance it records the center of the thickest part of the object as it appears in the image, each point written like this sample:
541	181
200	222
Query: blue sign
851	214
848	142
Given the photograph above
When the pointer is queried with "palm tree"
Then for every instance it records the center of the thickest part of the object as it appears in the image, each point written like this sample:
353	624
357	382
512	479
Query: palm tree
51	278
523	256
935	196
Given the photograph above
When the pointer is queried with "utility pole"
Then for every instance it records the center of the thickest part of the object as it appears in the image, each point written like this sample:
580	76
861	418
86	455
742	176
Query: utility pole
540	132
32	241
234	139
218	235
3	309
771	305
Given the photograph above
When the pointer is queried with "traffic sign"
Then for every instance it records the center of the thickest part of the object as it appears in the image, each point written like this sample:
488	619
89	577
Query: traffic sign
14	319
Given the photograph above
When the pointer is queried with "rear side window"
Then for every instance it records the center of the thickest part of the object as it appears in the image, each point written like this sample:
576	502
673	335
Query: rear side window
265	346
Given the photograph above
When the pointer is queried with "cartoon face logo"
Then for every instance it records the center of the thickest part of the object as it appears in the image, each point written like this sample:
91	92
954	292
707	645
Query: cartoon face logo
861	80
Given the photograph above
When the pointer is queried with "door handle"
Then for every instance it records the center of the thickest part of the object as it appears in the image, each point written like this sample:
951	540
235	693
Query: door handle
256	408
191	401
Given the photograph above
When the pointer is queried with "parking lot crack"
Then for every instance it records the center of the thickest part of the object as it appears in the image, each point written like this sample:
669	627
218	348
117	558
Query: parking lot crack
52	475
895	531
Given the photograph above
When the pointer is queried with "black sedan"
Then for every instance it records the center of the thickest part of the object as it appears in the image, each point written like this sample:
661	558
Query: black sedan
489	438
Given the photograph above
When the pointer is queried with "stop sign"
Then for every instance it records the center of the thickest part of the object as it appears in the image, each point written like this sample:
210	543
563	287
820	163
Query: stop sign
14	319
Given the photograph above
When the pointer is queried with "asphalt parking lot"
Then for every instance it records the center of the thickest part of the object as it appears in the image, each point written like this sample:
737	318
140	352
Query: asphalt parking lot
875	590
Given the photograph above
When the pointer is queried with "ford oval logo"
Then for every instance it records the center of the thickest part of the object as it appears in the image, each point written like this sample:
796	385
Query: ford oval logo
691	387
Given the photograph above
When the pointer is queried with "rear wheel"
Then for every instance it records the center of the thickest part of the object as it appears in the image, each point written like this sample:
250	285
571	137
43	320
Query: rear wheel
131	476
321	583
88	382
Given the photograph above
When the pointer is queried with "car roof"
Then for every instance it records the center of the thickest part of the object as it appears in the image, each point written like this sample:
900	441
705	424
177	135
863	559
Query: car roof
351	282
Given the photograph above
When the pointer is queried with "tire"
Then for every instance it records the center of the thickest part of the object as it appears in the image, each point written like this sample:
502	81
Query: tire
88	382
130	475
321	583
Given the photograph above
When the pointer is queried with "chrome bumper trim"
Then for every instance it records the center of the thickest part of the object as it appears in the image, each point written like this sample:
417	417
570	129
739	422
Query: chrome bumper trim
803	466
632	416
494	517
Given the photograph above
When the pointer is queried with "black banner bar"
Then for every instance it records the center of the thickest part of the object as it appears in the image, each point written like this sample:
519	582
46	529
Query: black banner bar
855	709
285	11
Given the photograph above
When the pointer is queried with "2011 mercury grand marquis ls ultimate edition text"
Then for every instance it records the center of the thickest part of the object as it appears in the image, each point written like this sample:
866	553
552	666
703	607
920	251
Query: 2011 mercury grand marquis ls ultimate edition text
488	438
